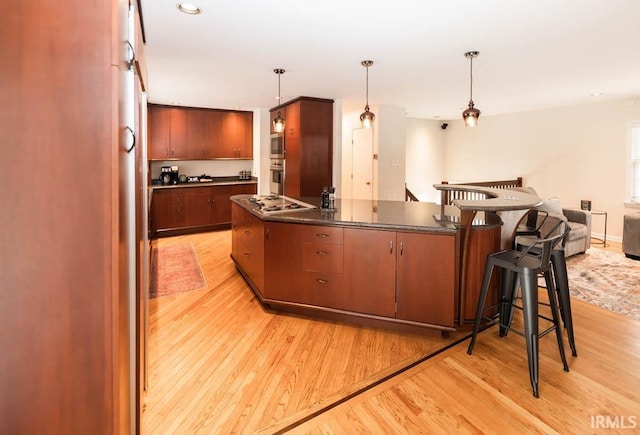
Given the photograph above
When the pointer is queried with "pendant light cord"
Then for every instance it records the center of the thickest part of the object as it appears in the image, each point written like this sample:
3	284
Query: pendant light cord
367	87
471	81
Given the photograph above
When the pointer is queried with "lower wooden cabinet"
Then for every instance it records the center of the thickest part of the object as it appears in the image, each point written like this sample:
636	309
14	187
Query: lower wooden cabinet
401	276
425	284
247	239
192	209
370	262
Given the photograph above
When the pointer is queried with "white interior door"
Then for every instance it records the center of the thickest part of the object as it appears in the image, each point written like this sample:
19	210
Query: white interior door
362	163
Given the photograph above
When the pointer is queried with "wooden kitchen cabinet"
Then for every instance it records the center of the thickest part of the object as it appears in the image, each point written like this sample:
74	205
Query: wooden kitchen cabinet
167	133
370	269
236	136
403	275
425	284
382	274
186	133
247	235
200	206
197	140
182	210
304	264
168	209
308	141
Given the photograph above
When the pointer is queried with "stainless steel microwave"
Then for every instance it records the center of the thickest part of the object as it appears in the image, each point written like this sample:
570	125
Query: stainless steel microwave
277	146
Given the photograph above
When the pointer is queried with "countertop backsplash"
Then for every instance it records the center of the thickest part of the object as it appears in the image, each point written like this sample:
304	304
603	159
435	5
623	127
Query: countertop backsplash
214	168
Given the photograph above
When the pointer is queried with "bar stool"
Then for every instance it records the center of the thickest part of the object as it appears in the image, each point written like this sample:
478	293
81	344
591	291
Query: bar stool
521	269
537	227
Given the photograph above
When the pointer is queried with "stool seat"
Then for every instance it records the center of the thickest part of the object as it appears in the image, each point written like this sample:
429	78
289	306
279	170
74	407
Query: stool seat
521	269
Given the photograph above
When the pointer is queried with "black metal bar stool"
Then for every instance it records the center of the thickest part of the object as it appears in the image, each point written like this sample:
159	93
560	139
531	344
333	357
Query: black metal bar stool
521	269
538	226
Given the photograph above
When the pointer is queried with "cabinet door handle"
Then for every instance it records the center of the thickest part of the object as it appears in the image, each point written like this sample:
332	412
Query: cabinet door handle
266	234
391	247
401	248
322	253
322	235
133	137
132	55
322	281
247	254
247	232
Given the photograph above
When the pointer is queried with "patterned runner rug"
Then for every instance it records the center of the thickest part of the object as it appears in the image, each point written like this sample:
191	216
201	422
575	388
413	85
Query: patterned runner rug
175	269
607	279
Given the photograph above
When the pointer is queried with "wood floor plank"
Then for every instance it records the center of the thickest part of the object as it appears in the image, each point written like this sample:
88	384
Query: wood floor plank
219	362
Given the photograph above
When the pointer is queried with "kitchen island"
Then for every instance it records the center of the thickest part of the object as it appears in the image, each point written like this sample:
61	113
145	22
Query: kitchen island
382	263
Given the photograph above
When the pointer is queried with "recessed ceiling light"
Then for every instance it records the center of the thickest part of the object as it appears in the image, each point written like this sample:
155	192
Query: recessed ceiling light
596	94
189	8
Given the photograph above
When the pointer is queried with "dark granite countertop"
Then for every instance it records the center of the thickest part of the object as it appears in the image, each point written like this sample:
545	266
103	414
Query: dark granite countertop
217	181
387	215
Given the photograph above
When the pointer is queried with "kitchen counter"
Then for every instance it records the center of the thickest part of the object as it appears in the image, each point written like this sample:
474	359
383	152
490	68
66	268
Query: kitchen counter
381	263
389	215
217	181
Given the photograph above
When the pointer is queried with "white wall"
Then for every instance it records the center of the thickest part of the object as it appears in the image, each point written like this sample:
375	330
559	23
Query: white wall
390	144
573	153
424	157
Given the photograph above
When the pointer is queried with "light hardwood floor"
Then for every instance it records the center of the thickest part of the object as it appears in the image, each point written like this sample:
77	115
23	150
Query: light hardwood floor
220	363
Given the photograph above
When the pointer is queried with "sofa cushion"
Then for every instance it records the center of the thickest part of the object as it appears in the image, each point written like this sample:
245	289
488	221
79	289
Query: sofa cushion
578	231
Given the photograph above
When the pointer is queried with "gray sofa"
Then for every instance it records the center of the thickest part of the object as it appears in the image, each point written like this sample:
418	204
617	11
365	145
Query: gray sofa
579	238
631	236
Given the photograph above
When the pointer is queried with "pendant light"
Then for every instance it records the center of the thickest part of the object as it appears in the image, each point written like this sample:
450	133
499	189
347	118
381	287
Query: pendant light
278	121
367	117
472	114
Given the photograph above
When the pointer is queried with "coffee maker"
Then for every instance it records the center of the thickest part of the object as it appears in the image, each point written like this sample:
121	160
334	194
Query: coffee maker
165	175
174	175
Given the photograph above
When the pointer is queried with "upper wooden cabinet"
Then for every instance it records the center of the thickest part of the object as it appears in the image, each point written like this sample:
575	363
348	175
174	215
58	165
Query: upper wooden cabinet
181	133
308	142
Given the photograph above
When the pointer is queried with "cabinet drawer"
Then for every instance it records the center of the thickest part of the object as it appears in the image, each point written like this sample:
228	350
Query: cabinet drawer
322	257
318	234
322	289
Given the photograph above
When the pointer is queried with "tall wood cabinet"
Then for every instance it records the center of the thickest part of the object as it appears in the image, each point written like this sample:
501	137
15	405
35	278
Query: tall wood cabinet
66	259
308	142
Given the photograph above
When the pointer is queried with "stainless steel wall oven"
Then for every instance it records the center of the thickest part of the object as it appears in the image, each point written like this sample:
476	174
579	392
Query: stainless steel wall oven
276	173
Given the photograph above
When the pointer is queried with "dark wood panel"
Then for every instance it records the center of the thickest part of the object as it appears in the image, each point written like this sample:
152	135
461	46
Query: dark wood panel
426	278
370	271
316	125
60	273
199	206
159	139
482	242
178	133
321	234
282	265
322	257
197	145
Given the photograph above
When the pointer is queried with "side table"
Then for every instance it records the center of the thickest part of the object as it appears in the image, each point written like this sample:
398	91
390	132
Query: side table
602	241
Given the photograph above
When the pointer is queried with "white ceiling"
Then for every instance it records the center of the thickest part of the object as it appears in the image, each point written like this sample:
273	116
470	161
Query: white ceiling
533	54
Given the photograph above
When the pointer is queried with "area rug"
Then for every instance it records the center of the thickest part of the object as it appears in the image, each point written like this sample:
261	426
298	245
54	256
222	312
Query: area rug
175	269
607	279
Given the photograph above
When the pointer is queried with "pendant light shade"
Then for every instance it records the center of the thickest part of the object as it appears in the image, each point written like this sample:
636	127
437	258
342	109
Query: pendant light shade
471	114
278	121
367	117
